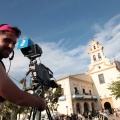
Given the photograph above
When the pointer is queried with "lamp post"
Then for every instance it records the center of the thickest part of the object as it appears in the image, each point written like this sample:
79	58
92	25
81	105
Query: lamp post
67	109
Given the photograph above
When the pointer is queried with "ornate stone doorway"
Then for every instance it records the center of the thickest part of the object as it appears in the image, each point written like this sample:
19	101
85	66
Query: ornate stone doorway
107	105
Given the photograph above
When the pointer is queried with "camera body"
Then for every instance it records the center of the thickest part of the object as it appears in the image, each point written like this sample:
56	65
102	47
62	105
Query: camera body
40	74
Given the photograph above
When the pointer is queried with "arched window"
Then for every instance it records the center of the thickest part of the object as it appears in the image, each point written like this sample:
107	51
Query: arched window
93	106
94	57
99	56
76	90
94	47
62	92
78	108
86	107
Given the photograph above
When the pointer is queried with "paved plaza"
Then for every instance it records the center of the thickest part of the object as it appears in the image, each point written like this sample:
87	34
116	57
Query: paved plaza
112	117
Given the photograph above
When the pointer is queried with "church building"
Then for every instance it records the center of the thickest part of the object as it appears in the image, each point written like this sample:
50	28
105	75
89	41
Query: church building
89	91
103	72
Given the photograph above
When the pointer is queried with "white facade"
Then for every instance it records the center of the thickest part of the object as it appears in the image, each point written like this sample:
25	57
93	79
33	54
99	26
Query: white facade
92	86
78	94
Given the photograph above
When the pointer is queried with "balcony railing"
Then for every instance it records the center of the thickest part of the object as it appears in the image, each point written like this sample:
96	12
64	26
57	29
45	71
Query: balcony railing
62	98
83	96
79	97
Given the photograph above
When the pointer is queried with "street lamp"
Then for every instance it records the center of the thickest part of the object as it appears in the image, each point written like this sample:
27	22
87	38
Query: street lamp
67	109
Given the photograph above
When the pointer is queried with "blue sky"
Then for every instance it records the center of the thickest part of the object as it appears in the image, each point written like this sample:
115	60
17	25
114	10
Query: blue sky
63	29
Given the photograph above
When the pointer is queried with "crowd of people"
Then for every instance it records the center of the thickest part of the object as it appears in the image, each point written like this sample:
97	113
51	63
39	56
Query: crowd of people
84	116
117	112
96	115
66	117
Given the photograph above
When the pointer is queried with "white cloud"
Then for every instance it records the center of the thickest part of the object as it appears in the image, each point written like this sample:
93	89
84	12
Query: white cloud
61	62
109	37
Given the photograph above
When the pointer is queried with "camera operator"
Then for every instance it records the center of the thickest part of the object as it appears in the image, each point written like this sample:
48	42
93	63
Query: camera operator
8	90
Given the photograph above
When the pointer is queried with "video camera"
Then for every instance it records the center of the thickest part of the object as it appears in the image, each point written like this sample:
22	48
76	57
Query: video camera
40	75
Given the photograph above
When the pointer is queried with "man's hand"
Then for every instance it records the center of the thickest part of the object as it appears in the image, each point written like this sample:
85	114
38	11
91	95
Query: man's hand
43	106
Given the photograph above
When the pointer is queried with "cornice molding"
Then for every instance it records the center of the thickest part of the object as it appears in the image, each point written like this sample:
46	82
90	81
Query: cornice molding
104	63
89	73
72	78
96	50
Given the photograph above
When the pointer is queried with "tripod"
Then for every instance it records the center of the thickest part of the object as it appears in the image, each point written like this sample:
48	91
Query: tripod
41	81
34	112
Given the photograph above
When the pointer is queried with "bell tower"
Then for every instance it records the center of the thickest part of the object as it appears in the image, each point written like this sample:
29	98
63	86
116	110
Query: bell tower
98	59
96	52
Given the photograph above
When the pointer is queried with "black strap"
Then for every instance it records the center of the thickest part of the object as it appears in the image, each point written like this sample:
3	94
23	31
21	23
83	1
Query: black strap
2	64
1	98
1	57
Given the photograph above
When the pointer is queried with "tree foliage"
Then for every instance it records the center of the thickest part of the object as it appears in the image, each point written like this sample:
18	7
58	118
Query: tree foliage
4	112
52	96
114	87
8	108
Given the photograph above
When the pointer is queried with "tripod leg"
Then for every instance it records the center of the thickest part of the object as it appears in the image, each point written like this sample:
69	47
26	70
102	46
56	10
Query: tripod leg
30	113
34	113
48	113
38	115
